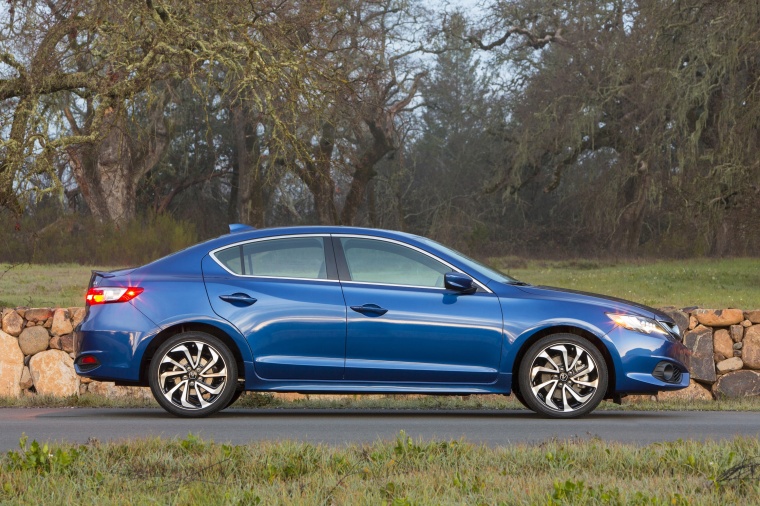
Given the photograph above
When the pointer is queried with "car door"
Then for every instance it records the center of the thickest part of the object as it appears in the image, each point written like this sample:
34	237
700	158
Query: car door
404	326
283	294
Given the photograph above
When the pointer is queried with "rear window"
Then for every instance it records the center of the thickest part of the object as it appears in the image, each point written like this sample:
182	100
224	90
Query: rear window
295	257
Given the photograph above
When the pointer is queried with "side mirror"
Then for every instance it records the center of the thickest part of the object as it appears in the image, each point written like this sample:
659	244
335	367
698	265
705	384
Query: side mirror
459	282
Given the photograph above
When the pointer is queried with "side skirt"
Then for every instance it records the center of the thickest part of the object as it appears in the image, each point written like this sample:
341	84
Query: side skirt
502	385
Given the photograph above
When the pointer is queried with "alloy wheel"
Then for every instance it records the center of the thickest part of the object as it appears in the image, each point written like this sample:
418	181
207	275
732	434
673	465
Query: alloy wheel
192	375
564	377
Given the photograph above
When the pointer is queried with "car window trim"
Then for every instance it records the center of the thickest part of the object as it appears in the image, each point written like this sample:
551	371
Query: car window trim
327	251
345	275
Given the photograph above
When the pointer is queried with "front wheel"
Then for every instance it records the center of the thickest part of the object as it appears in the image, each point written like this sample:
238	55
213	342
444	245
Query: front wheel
563	376
193	374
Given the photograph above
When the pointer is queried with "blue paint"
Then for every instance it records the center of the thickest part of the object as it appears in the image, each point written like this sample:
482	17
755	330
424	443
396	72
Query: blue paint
303	335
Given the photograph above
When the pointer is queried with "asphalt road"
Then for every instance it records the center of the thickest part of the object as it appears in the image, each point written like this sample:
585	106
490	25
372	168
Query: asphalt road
493	428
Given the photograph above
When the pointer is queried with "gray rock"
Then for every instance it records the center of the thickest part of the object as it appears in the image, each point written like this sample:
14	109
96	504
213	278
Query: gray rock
737	384
33	340
738	346
681	318
700	342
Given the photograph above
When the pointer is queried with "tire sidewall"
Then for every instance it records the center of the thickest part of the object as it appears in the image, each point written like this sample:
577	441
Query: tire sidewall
527	361
220	402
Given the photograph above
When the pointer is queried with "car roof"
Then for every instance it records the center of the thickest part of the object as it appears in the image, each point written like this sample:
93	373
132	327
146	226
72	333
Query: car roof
201	249
180	261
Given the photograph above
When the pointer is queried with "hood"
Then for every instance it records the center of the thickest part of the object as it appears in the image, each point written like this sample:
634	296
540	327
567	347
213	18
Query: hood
594	298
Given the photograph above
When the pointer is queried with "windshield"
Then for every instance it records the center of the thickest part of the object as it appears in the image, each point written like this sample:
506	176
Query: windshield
474	264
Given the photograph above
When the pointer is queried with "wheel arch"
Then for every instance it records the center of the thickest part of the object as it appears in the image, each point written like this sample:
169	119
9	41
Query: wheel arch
190	326
567	329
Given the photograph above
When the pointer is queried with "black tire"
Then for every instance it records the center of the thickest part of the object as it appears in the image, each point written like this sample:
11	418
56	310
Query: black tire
545	367
184	362
235	396
519	396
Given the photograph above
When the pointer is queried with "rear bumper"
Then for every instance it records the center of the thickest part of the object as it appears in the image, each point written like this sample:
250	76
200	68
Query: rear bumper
639	354
116	335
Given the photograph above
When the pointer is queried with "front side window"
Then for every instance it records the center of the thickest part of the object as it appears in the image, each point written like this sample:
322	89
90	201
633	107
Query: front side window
293	257
372	261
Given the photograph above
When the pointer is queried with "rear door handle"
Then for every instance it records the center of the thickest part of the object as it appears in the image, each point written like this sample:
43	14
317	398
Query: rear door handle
238	299
370	310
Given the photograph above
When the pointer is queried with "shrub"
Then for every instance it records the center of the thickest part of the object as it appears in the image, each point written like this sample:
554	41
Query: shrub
46	238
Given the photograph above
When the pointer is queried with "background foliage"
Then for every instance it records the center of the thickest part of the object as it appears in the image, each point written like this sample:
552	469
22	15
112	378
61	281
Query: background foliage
523	127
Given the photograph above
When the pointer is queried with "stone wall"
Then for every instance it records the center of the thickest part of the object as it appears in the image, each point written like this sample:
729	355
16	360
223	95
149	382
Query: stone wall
36	354
725	345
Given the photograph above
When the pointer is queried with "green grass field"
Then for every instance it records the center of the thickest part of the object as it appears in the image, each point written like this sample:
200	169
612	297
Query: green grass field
59	285
710	283
403	471
715	283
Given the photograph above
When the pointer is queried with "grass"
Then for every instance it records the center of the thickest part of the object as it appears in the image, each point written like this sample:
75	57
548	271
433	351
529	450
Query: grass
60	285
715	283
400	472
711	283
391	402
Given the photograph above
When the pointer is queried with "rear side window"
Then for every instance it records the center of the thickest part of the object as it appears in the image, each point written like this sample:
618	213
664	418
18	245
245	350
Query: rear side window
295	257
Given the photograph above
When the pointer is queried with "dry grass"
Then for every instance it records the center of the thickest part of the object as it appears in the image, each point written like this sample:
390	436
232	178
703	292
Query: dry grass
253	400
400	472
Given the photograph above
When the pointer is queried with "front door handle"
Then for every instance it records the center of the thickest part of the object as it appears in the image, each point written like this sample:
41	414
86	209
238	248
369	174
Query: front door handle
238	299
370	310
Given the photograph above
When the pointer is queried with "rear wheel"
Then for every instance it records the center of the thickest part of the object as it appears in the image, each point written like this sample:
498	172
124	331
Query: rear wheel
193	374
563	376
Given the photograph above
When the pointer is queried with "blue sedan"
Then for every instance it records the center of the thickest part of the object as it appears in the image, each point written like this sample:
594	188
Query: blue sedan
353	310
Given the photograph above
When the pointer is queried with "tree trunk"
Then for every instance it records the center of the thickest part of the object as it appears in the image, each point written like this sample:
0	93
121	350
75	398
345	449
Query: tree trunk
14	155
252	196
109	171
632	217
103	172
372	206
365	171
317	178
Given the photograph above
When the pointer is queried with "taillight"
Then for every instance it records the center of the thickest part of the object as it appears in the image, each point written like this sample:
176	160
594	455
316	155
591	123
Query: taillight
106	294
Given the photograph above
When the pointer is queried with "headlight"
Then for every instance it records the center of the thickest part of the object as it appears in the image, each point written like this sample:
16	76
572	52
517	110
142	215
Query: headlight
638	324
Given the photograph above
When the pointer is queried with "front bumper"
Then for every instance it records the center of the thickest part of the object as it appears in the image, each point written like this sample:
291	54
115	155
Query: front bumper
638	356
